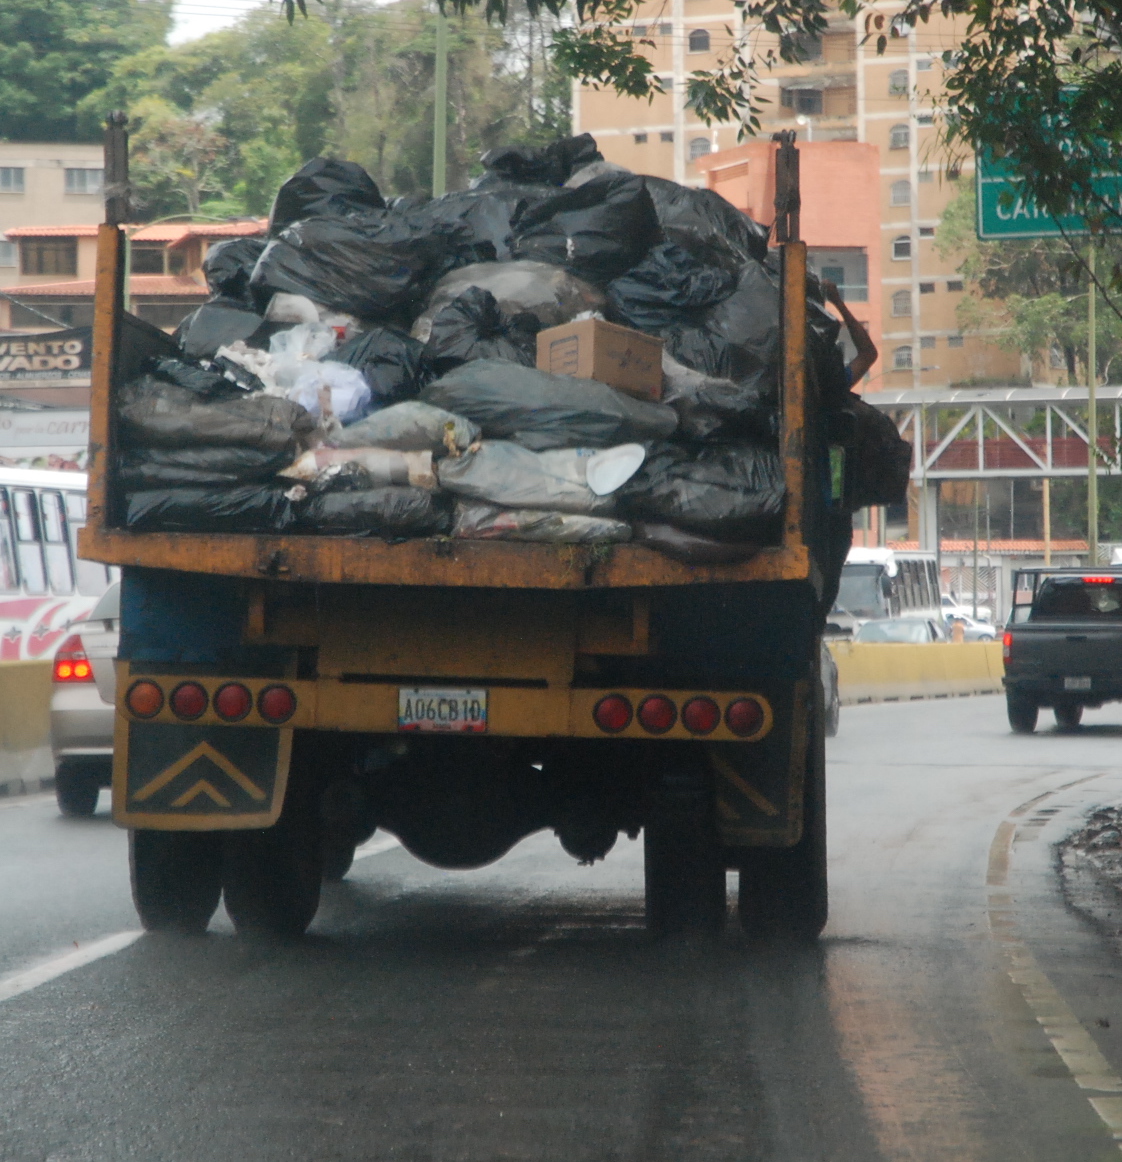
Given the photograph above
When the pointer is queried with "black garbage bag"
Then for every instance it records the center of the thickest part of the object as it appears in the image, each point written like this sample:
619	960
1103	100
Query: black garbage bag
143	468
472	327
669	286
880	462
539	410
396	510
692	548
248	508
548	292
739	336
730	492
208	378
324	188
597	231
552	164
374	266
218	324
716	410
706	216
486	215
153	413
390	361
228	266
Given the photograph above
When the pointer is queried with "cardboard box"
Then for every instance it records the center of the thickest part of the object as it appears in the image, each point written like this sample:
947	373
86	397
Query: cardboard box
592	349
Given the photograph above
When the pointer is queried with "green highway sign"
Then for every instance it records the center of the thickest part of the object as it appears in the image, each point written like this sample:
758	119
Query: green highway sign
1005	212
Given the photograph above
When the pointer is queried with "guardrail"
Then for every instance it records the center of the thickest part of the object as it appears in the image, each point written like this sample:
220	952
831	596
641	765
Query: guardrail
892	672
25	724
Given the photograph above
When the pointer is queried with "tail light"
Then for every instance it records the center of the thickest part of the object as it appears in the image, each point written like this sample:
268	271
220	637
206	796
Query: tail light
232	702
71	663
701	715
188	700
145	699
276	704
612	713
1007	646
744	717
657	714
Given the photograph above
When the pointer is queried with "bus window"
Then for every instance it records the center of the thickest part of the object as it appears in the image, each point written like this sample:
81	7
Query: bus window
27	542
75	507
92	577
9	573
56	544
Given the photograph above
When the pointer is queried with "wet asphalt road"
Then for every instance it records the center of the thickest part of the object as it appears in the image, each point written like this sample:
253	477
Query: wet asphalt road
519	1012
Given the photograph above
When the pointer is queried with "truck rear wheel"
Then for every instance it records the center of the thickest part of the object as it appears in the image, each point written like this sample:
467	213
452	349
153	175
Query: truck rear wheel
783	892
1068	717
77	787
176	878
1022	713
682	862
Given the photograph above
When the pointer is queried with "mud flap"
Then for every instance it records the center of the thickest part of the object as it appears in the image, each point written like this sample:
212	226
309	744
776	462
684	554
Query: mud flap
173	777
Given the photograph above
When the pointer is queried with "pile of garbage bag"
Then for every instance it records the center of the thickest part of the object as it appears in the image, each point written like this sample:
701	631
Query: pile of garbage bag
371	368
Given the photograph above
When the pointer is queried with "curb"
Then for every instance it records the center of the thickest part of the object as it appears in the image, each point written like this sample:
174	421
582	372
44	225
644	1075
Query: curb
18	787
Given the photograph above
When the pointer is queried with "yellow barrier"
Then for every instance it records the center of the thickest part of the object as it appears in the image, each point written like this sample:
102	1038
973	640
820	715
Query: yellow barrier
888	671
25	726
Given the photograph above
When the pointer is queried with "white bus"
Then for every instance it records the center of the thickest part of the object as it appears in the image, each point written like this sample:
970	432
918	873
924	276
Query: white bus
886	583
44	587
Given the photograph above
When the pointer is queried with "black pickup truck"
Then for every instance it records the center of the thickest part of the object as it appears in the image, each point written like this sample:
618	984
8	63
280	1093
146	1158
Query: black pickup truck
1063	644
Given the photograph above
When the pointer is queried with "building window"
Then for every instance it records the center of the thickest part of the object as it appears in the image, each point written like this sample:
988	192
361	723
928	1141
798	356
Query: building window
802	100
900	27
926	288
665	29
1056	358
954	284
49	256
640	138
927	231
807	48
901	194
902	304
898	83
640	30
902	247
8	252
699	40
926	175
923	66
147	258
898	137
667	82
926	342
11	179
666	137
925	119
902	359
84	181
699	147
954	340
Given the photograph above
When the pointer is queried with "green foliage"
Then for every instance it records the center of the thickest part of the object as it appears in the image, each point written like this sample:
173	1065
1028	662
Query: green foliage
54	52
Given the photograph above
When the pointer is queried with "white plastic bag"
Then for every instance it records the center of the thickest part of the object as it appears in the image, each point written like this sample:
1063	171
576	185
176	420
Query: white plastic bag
284	308
349	392
292	349
411	426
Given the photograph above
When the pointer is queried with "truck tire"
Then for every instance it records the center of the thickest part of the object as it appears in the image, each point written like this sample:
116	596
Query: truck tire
77	786
1022	713
338	855
683	868
1068	717
176	879
783	892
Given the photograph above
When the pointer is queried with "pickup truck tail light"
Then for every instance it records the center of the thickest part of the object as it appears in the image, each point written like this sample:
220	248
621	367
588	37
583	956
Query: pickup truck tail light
71	663
1007	646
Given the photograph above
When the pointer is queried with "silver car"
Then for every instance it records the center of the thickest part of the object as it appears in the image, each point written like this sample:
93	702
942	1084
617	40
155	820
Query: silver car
82	695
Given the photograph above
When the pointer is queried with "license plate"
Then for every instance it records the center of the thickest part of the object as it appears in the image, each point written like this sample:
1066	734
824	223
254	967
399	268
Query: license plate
442	711
1077	683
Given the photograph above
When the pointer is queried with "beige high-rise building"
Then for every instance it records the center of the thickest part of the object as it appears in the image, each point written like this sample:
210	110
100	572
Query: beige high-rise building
843	91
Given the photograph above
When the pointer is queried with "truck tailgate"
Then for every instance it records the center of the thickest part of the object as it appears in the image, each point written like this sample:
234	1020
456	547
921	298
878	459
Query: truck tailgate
1059	650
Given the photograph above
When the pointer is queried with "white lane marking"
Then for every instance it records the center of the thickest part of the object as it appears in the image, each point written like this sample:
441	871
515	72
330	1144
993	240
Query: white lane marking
376	846
1072	1042
16	983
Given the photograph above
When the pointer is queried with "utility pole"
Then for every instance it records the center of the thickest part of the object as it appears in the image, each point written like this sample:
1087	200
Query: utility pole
440	109
1092	420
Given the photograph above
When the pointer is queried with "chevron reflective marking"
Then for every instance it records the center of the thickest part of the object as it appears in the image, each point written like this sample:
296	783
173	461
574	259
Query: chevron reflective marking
202	787
202	751
726	770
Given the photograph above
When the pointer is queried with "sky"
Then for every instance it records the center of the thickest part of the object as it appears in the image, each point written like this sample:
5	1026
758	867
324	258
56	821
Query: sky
195	18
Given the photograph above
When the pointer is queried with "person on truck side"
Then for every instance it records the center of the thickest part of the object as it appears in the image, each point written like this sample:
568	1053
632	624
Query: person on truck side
867	353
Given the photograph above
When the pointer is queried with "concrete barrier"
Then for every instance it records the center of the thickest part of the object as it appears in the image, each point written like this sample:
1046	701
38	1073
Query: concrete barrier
25	726
888	671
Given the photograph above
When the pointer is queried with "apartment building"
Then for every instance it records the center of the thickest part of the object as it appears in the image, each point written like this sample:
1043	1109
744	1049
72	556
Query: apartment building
842	92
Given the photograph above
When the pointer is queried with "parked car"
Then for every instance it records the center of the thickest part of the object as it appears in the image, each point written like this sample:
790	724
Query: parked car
909	630
972	631
953	607
82	697
829	673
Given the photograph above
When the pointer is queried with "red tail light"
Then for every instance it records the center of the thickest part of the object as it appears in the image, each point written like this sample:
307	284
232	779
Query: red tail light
145	699
1099	580
232	702
612	713
701	715
657	714
744	717
276	704
188	700
71	663
1007	646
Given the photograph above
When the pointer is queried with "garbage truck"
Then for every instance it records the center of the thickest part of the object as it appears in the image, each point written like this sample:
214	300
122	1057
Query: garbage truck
282	695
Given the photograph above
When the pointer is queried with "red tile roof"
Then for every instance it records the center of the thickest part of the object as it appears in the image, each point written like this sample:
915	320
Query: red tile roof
51	232
157	285
172	232
996	547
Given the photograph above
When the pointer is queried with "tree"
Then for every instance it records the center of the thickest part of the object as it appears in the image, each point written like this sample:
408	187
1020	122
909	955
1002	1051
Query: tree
52	54
178	160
